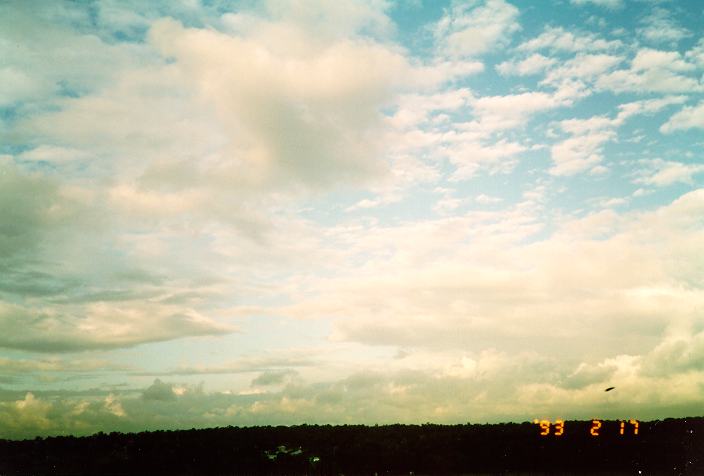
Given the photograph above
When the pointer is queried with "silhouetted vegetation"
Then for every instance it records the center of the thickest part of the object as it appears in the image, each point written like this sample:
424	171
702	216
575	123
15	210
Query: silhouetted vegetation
672	446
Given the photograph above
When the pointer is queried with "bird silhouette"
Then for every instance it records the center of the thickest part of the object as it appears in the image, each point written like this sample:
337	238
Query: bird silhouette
609	389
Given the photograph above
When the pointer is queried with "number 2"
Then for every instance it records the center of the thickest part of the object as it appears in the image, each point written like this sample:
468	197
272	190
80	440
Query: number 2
596	424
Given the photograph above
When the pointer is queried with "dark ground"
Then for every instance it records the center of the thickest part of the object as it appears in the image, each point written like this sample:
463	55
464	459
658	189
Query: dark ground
671	446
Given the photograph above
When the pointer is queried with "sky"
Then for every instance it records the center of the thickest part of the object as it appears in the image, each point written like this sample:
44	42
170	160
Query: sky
241	213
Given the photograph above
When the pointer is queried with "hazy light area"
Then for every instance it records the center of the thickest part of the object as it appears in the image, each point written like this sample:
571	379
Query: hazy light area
306	211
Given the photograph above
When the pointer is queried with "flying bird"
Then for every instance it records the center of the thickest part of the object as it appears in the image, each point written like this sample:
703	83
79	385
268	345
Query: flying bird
609	389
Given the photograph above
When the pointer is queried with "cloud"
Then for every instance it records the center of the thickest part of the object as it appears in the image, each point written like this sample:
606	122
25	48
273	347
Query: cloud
439	304
474	28
589	374
676	354
281	361
660	27
653	71
159	391
534	64
99	325
119	228
492	114
493	386
273	377
579	152
583	67
661	173
27	367
689	117
423	126
319	122
76	292
341	19
559	39
45	58
584	148
486	199
470	156
696	54
610	4
185	168
26	413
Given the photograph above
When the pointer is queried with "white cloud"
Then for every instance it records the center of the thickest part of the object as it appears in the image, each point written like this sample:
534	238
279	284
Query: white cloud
661	173
696	54
324	103
610	4
688	118
487	199
579	152
559	39
584	148
631	265
476	144
473	28
534	64
660	27
495	113
583	67
653	71
470	156
414	109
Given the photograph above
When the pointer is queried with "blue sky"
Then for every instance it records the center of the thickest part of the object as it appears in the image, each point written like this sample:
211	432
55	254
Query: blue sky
236	213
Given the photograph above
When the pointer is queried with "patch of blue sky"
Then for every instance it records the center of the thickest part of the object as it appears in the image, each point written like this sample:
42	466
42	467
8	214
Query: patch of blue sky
412	19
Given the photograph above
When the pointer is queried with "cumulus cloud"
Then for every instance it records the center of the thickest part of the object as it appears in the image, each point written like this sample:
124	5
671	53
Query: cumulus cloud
583	67
493	387
159	391
654	71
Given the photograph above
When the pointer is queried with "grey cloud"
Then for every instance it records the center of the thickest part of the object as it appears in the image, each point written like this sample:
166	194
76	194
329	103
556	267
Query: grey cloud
25	211
58	258
364	397
587	375
676	355
101	327
274	377
48	56
159	391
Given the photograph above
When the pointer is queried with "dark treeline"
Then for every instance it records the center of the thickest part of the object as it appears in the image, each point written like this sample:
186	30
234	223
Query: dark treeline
672	446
